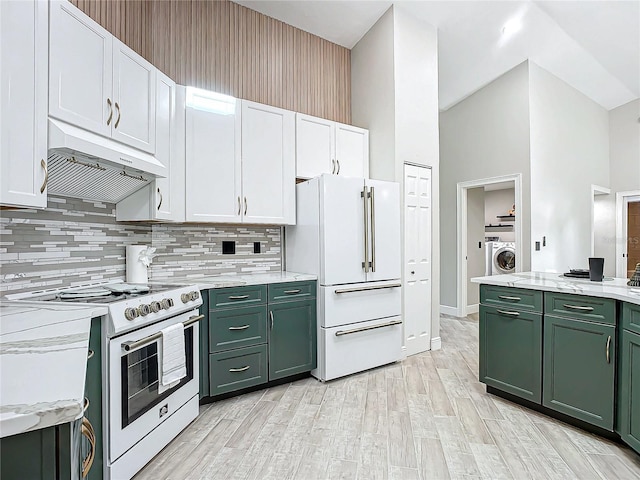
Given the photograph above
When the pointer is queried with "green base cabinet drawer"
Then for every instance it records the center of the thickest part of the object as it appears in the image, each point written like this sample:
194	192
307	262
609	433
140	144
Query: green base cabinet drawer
292	338
511	351
508	297
283	292
590	309
630	390
578	370
631	317
237	296
237	369
237	327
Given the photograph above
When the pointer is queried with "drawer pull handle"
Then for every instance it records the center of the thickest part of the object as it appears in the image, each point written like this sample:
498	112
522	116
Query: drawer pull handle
511	314
339	333
238	297
243	327
578	307
507	297
366	289
291	292
236	370
608	345
90	354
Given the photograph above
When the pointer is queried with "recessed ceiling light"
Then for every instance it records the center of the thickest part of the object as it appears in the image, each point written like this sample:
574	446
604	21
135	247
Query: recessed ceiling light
511	27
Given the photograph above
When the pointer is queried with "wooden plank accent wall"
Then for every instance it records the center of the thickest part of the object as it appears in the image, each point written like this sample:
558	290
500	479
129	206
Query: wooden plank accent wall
222	46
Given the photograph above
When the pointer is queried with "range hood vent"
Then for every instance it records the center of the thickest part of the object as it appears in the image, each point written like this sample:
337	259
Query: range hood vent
84	165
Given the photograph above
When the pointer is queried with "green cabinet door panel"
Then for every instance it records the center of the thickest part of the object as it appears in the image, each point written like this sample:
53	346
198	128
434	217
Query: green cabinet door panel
237	327
237	369
93	392
578	370
590	309
508	297
237	296
292	338
204	345
631	317
30	455
511	351
279	292
629	390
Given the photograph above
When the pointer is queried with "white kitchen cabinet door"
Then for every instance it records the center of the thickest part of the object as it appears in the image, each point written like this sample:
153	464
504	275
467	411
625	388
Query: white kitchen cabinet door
213	166
80	70
352	151
268	164
314	146
385	253
134	99
23	103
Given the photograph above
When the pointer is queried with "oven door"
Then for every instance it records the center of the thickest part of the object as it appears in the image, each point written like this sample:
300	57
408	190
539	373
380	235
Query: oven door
137	402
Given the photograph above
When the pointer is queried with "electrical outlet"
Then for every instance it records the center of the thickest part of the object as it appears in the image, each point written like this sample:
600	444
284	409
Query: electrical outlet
256	247
537	246
228	247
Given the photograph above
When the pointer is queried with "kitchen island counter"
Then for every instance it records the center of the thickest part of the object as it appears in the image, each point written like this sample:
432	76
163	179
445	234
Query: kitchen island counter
43	360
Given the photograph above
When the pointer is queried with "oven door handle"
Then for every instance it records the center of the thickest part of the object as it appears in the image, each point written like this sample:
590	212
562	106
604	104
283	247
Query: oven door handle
128	346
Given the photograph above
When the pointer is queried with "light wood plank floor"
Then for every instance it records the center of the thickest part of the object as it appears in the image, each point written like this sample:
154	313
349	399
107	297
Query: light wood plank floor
425	418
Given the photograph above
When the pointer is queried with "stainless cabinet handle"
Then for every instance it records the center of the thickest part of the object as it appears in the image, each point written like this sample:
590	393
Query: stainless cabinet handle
338	162
90	355
128	346
46	175
119	115
243	369
333	168
511	314
271	317
238	297
110	111
608	345
290	292
245	205
339	333
578	307
89	433
365	195
364	289
243	327
373	227
160	203
507	297
239	205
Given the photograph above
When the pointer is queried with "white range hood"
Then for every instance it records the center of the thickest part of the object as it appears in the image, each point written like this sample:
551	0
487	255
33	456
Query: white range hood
84	165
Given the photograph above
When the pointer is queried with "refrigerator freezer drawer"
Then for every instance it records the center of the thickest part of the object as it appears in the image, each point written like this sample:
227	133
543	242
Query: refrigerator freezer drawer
358	347
359	302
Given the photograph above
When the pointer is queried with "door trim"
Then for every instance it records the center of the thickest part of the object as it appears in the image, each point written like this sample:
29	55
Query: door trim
461	240
622	199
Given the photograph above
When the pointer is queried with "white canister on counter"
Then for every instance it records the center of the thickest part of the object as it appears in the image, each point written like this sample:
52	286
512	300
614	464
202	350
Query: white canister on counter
136	269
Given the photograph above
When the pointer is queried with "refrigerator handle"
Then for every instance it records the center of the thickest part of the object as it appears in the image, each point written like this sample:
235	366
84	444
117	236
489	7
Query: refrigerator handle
373	229
365	195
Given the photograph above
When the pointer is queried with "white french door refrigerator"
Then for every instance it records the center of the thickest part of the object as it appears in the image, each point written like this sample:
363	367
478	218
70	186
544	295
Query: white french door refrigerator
347	233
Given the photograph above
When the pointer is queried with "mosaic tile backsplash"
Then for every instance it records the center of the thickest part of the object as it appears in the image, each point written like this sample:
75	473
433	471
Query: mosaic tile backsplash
77	241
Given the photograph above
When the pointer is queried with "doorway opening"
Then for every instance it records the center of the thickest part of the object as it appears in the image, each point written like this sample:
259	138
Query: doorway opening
489	234
627	233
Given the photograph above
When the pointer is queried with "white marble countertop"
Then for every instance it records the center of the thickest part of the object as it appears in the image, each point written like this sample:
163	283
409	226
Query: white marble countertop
615	288
43	360
224	281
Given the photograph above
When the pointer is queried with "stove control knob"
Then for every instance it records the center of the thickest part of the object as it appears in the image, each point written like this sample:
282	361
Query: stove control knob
194	295
155	307
144	310
167	303
185	297
131	314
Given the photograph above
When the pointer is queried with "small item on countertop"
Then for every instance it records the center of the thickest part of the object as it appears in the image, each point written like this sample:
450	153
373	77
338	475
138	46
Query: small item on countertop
634	281
577	273
596	269
138	259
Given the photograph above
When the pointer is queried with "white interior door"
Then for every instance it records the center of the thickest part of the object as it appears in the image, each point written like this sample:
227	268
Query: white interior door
342	230
314	146
476	254
213	169
352	151
385	242
417	259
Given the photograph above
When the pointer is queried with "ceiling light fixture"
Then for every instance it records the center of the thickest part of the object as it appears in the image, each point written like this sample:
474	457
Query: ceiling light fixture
512	26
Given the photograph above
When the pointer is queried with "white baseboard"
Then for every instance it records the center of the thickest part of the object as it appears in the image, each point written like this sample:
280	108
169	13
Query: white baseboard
472	309
447	310
436	343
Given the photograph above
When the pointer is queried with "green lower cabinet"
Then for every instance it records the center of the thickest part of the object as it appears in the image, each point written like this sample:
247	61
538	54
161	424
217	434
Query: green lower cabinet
237	327
579	369
93	392
29	455
292	338
511	351
237	369
629	389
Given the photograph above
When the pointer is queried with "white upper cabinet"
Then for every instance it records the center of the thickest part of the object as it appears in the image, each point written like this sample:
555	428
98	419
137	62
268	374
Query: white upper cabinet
163	199
96	82
323	146
268	164
213	165
23	103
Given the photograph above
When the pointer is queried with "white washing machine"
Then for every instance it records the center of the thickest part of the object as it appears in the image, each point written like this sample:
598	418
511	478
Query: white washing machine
503	257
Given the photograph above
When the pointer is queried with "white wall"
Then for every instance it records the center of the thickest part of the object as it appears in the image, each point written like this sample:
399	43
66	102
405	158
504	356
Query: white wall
499	202
624	161
486	135
569	153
